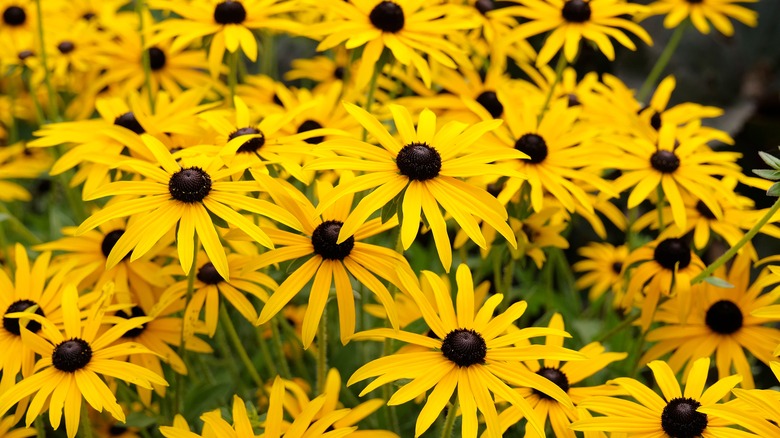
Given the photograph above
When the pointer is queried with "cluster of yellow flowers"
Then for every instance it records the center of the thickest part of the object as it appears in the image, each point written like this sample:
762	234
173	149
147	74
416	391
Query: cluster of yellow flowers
194	206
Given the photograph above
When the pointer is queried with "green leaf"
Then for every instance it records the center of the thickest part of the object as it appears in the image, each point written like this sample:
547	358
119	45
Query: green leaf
774	175
770	160
719	282
774	190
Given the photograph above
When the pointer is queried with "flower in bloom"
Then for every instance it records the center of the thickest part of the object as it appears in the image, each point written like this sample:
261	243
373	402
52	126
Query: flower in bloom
666	268
424	168
574	20
71	362
407	28
704	12
565	376
328	261
602	269
172	194
720	323
678	414
468	350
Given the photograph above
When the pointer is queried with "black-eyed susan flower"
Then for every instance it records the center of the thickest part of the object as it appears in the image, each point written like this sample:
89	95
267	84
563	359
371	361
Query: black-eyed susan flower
565	376
184	195
329	262
720	324
8	429
560	151
30	287
425	168
72	361
677	414
602	269
214	426
13	165
19	18
406	28
209	286
574	20
230	22
676	163
88	253
468	350
665	267
704	12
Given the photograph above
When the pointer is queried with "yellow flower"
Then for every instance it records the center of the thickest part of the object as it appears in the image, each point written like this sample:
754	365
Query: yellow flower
702	13
71	363
574	20
602	270
468	350
424	168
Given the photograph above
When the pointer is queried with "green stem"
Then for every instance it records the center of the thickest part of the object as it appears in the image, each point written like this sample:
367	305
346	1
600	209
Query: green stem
322	351
268	64
662	62
266	353
54	112
40	429
145	60
239	347
178	381
742	242
559	68
232	74
86	425
284	369
619	328
659	206
449	421
380	65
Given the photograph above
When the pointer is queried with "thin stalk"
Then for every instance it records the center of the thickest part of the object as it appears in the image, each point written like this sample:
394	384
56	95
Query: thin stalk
662	62
145	60
449	421
266	353
268	64
619	328
54	111
40	429
238	347
380	65
322	351
659	206
284	369
559	68
232	74
86	425
742	242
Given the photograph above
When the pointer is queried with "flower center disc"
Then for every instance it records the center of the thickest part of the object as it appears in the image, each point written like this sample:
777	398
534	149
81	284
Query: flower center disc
679	418
490	102
157	58
485	6
128	120
418	161
14	16
12	324
665	161
534	146
554	375
576	11
189	185
724	317
617	268
324	240
229	12
253	144
66	47
134	313
71	355
310	125
387	17
670	252
465	347
109	240
209	275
